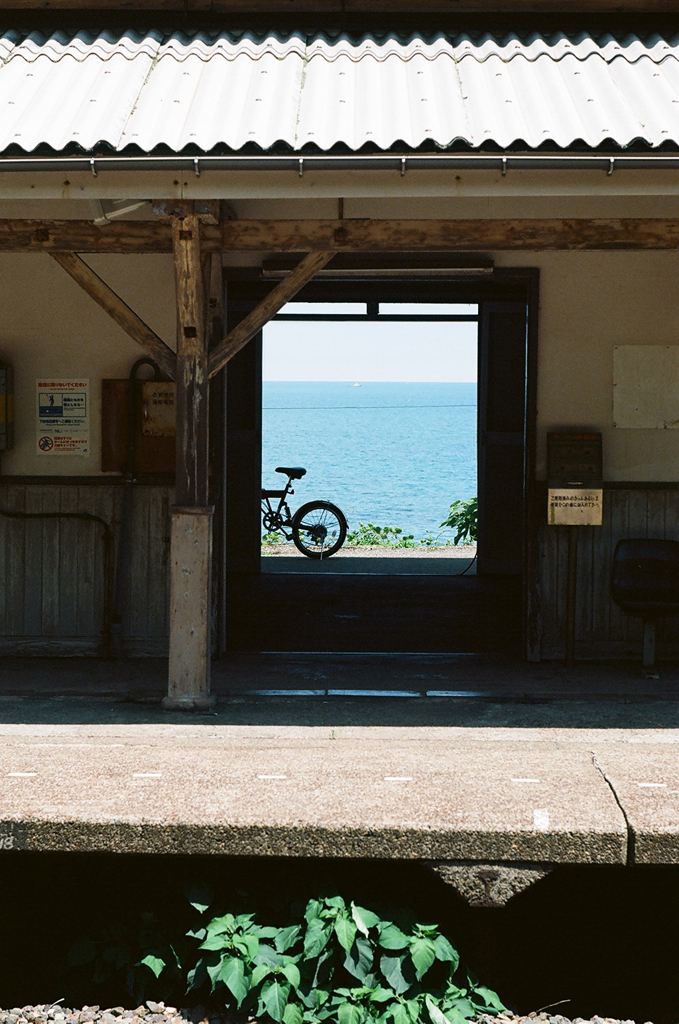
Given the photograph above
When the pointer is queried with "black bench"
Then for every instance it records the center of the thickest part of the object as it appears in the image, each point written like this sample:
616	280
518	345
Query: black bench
645	582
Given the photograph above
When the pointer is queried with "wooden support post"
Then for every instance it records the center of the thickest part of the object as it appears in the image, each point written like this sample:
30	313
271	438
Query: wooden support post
192	363
191	526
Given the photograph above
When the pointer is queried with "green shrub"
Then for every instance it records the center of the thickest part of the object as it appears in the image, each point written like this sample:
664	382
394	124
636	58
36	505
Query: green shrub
339	963
463	518
272	537
369	535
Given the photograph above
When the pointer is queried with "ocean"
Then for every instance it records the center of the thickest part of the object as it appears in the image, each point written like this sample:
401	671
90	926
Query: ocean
392	454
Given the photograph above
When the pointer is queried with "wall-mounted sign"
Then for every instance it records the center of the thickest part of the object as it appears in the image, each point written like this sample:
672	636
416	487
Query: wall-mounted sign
63	417
574	479
574	506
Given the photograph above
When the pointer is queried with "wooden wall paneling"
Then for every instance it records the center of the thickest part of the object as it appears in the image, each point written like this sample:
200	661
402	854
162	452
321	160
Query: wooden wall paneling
51	579
106	503
620	527
53	569
669	502
656	513
14	499
97	501
583	610
672	514
638	512
116	511
601	573
158	556
69	568
32	567
137	566
5	543
562	581
552	596
546	595
638	527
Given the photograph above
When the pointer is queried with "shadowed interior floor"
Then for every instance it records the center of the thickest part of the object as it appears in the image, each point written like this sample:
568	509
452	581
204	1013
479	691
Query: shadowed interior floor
428	614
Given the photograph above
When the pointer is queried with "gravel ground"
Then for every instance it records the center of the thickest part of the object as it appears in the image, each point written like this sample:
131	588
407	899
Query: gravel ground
159	1013
547	1018
378	551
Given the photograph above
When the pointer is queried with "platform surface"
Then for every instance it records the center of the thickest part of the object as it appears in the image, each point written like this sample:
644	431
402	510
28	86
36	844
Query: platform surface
521	764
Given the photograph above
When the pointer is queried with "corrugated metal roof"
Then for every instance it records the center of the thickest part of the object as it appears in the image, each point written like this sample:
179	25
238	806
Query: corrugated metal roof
208	91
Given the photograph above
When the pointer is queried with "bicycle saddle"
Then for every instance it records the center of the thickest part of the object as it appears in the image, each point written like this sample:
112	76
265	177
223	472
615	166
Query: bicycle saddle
294	472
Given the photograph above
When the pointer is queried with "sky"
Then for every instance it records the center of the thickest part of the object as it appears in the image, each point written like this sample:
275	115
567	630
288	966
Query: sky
341	351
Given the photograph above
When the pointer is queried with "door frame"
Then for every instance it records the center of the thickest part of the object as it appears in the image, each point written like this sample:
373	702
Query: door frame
244	286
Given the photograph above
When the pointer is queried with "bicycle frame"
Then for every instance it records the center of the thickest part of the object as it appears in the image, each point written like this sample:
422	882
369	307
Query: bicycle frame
278	518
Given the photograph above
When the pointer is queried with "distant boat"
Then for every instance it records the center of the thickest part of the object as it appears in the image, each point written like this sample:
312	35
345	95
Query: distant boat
356	385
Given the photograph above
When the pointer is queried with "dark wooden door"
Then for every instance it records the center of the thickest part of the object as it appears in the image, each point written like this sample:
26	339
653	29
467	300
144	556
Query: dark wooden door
502	436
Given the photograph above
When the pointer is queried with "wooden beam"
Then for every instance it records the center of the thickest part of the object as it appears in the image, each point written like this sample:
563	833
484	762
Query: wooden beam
348	235
118	310
479	235
268	307
85	236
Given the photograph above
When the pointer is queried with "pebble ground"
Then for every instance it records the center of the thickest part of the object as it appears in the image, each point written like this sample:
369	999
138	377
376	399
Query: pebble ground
159	1013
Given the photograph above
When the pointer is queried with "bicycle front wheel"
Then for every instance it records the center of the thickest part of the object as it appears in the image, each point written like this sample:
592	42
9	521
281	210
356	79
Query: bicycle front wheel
318	529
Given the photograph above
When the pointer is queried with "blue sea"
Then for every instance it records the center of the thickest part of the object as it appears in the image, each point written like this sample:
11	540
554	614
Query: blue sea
386	453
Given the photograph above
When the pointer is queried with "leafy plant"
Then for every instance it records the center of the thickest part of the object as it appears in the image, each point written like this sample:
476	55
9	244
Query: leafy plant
369	535
129	958
272	537
435	540
463	518
341	964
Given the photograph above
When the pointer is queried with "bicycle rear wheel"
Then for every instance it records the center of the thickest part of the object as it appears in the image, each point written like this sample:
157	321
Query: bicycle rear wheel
318	529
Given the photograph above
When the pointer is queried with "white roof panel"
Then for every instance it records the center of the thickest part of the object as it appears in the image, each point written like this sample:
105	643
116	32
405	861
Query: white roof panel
199	93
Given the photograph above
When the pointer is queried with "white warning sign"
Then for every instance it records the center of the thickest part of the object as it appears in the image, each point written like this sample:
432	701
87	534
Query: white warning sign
63	409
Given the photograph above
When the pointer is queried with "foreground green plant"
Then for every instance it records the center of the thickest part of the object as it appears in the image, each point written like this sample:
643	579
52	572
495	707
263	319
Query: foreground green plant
463	518
369	535
110	961
341	963
272	538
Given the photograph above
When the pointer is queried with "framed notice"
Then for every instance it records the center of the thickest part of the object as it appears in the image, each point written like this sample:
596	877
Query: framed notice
575	506
63	417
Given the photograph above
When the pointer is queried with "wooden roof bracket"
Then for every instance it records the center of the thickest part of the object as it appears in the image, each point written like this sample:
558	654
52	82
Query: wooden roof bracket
117	309
267	308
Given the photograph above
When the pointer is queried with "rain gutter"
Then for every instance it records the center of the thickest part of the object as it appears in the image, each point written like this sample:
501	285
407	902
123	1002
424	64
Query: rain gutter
377	162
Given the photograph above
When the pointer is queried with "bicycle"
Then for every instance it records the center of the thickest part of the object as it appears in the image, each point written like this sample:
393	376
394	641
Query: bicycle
317	529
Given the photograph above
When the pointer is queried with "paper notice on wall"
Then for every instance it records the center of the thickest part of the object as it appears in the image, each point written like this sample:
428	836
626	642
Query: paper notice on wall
575	506
63	411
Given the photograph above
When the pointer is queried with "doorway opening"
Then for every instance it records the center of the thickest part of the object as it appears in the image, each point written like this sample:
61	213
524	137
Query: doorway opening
378	401
300	607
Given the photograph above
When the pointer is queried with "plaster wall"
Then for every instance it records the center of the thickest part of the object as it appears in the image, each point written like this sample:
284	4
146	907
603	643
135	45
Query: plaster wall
49	327
590	302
